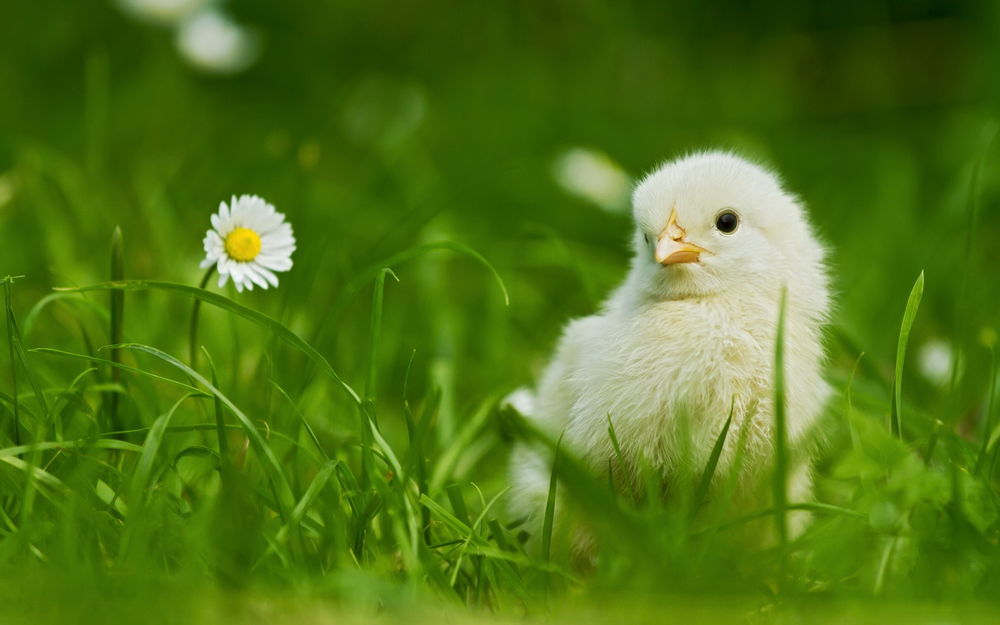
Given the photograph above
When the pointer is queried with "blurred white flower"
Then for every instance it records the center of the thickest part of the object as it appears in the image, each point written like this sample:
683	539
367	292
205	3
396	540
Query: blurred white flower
212	42
935	361
594	177
162	11
248	242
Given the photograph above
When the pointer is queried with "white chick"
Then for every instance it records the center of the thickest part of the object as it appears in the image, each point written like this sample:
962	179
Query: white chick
691	333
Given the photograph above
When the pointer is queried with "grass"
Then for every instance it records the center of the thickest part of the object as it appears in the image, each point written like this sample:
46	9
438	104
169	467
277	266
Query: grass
335	449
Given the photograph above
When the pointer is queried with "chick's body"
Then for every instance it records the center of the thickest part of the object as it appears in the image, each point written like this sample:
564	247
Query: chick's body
690	334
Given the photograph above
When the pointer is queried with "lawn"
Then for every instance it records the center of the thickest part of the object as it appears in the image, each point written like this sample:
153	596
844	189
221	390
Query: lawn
456	175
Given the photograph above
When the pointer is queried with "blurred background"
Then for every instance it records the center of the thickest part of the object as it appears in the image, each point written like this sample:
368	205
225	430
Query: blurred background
516	128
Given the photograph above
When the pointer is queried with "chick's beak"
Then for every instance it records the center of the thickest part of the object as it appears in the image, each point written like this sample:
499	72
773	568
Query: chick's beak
672	248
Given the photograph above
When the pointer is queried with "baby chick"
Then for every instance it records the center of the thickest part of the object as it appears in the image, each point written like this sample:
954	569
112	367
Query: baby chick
690	335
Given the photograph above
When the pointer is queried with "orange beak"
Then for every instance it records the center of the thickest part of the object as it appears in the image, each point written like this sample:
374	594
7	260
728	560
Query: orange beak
672	248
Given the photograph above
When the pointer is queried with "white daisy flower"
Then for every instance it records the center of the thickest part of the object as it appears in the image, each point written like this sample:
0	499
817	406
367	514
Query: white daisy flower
248	242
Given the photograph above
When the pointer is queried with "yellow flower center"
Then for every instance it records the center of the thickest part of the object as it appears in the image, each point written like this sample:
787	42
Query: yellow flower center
243	244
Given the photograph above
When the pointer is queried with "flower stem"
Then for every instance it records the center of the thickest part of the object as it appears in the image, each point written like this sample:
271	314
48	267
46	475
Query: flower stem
195	309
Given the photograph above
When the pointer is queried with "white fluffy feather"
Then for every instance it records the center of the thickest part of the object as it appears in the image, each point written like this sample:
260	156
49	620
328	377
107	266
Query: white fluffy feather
692	338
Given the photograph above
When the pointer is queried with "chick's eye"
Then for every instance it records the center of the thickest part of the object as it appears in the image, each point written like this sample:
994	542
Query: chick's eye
645	237
727	222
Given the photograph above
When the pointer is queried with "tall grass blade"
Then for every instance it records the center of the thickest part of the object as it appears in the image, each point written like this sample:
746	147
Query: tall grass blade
81	443
8	283
117	308
309	497
701	492
550	506
548	522
269	461
457	501
416	463
193	347
616	446
912	305
373	332
229	305
369	273
19	356
92	307
367	414
449	458
781	464
140	485
220	417
302	419
135	370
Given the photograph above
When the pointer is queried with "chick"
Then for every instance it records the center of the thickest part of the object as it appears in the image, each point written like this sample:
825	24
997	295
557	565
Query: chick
690	335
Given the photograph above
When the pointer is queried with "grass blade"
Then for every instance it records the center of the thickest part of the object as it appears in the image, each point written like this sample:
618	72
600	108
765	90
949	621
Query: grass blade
373	333
270	462
229	305
8	282
19	355
117	308
313	491
618	453
550	507
780	492
450	457
369	422
193	323
59	352
701	492
150	447
548	521
365	275
912	304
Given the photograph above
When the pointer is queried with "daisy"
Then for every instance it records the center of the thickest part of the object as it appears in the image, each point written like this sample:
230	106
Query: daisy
248	242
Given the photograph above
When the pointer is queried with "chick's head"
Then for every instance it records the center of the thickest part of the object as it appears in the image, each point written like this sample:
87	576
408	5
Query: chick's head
713	222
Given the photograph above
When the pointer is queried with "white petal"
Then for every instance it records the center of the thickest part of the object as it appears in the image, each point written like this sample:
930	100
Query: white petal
212	240
269	222
267	273
254	274
278	238
217	219
277	263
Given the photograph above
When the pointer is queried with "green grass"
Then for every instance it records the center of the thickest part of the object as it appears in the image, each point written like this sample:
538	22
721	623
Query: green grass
335	449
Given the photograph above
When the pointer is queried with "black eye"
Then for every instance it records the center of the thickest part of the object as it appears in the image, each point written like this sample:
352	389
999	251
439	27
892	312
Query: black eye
645	237
727	222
